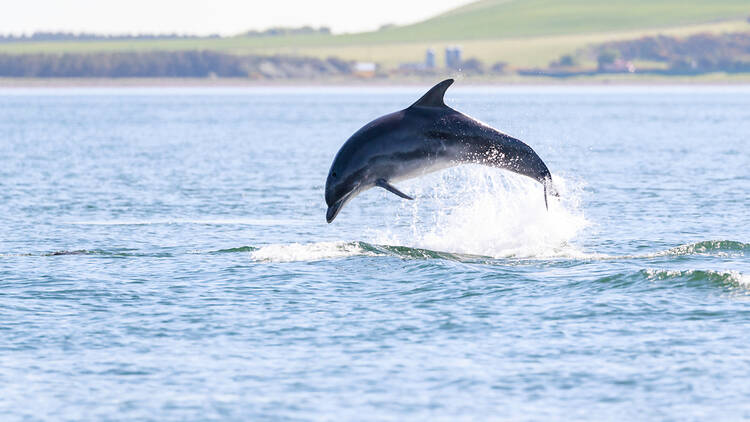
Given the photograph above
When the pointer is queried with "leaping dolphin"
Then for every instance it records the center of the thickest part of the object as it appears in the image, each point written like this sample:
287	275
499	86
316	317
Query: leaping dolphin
425	137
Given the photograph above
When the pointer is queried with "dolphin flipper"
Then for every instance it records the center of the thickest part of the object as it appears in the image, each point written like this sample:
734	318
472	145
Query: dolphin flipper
387	186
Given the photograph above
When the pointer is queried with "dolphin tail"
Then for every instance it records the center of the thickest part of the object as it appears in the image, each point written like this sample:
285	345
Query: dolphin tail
550	188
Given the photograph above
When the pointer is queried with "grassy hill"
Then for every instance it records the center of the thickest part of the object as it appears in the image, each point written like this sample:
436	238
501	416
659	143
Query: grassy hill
521	32
493	19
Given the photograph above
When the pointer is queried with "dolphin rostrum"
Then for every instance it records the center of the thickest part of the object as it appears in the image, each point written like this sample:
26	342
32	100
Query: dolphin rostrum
425	137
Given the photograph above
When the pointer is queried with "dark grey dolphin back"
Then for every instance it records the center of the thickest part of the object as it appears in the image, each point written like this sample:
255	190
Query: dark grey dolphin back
478	143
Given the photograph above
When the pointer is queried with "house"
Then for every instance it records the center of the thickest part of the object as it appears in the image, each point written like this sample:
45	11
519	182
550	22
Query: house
365	69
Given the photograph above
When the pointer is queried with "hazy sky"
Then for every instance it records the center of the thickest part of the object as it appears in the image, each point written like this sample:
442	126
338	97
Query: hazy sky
226	17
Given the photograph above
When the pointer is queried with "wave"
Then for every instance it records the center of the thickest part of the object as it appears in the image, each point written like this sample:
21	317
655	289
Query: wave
327	250
292	252
115	253
340	250
649	279
718	277
318	251
295	252
719	248
234	250
707	247
334	250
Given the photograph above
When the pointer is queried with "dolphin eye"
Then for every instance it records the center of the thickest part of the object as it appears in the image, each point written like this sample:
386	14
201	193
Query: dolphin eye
333	174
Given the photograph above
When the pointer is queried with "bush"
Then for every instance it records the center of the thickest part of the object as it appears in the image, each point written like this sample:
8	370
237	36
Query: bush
472	66
499	67
607	57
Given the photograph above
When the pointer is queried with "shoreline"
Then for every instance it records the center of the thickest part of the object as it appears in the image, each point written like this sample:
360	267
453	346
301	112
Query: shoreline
509	80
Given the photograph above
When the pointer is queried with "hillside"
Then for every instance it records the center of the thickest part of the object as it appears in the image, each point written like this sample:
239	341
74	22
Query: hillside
493	19
520	32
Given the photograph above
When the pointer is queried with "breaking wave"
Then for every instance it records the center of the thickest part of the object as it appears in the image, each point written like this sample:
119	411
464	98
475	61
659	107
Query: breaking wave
719	277
708	247
651	278
334	250
308	252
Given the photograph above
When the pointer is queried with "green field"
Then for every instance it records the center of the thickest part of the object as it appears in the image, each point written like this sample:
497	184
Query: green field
492	19
520	32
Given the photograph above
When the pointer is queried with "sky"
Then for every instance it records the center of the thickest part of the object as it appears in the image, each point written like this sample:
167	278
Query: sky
225	17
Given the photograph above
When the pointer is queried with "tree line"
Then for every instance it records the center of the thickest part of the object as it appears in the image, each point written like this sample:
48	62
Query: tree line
699	53
281	31
168	64
48	36
84	36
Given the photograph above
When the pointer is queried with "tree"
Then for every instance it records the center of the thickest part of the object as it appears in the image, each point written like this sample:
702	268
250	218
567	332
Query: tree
607	57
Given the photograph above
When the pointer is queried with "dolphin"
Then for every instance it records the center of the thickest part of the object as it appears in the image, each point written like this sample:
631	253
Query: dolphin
425	137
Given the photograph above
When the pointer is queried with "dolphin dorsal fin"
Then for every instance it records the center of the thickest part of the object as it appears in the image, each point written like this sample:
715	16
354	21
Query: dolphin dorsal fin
434	97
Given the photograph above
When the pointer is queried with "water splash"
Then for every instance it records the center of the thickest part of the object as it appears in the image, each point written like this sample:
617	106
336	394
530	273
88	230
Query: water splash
481	211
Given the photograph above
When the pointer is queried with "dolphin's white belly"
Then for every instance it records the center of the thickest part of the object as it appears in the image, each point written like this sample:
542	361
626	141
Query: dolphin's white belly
418	169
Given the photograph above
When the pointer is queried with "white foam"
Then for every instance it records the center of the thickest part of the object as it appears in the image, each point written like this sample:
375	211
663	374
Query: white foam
741	279
482	211
307	251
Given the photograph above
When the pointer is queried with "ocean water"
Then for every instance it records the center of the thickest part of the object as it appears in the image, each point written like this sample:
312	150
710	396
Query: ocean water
164	256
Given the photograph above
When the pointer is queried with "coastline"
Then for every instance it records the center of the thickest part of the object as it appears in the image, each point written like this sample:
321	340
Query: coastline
505	80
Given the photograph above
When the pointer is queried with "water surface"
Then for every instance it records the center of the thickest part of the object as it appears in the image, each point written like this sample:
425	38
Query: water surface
164	256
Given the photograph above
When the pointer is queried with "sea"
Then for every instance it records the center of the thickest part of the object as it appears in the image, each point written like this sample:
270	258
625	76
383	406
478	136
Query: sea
164	256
